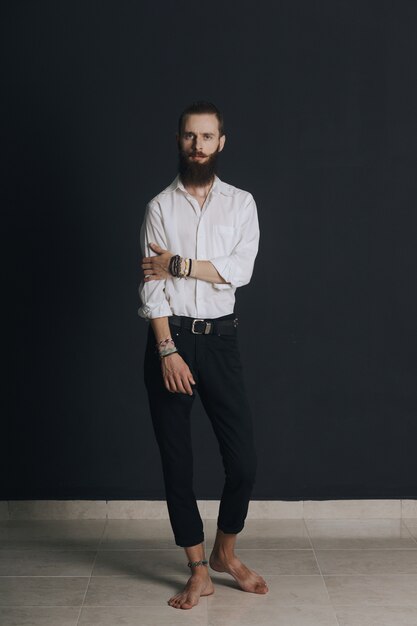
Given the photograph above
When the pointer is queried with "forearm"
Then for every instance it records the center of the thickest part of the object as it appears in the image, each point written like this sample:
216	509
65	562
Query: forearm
160	328
205	270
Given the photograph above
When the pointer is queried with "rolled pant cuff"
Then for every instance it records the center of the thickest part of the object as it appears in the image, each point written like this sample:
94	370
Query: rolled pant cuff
188	544
233	531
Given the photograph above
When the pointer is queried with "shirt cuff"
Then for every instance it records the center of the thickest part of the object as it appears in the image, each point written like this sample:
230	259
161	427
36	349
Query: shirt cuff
161	310
223	266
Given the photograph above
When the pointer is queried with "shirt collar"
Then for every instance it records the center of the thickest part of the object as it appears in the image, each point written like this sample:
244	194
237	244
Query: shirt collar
218	186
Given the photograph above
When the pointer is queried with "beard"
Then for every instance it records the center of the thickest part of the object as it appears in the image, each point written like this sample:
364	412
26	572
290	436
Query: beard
194	173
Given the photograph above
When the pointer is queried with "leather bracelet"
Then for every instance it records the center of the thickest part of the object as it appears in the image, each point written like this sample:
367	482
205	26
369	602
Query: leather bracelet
168	353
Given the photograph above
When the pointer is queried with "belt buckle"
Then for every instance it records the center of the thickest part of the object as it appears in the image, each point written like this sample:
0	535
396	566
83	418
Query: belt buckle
206	329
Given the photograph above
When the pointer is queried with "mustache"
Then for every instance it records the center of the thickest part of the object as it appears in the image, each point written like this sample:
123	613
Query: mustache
194	154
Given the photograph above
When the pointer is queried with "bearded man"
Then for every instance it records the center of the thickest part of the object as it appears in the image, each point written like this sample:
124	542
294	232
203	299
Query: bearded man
199	240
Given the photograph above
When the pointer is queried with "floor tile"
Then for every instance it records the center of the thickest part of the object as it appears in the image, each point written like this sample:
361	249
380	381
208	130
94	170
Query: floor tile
42	591
123	534
143	616
376	616
367	561
411	525
394	590
142	563
51	534
354	534
271	616
39	616
46	562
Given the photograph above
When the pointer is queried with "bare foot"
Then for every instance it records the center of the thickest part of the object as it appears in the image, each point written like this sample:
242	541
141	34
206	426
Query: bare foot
248	579
199	584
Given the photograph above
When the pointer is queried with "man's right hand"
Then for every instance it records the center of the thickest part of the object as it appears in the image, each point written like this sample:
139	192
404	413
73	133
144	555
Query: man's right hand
176	374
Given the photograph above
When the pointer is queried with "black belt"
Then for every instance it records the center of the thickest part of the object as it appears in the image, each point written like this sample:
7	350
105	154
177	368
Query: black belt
199	326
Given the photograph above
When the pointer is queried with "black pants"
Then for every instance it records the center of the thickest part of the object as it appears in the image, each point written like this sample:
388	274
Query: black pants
214	361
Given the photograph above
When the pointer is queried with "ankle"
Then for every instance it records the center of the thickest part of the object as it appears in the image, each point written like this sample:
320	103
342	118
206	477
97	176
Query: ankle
224	554
201	571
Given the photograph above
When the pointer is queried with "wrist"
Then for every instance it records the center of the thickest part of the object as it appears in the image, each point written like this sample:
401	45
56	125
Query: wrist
170	353
181	267
165	346
193	272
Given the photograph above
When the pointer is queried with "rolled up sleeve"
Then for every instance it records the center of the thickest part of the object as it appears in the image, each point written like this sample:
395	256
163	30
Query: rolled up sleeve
237	267
152	293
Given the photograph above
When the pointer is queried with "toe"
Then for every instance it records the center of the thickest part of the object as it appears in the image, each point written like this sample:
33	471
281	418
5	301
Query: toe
187	605
188	602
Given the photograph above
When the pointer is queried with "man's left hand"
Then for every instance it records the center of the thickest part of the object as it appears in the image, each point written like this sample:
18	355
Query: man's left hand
156	267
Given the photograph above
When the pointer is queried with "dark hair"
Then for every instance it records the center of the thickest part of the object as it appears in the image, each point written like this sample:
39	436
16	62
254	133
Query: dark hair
201	106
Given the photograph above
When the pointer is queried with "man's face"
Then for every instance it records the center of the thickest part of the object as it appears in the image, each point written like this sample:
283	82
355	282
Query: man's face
198	148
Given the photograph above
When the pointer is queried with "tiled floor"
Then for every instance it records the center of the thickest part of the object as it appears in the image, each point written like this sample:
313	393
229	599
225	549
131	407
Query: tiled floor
111	572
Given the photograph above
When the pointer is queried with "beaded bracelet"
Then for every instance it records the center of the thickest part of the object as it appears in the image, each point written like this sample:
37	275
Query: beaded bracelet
202	562
173	264
186	267
180	266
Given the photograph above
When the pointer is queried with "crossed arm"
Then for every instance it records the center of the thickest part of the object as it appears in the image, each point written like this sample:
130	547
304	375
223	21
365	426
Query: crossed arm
156	267
227	271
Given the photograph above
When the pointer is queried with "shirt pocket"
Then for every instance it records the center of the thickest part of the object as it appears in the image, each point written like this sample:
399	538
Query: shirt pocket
225	239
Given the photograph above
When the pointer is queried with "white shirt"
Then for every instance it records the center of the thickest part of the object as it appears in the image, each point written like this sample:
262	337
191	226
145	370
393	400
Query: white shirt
225	231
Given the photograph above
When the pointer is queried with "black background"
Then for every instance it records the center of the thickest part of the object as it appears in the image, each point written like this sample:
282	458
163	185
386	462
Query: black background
319	100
